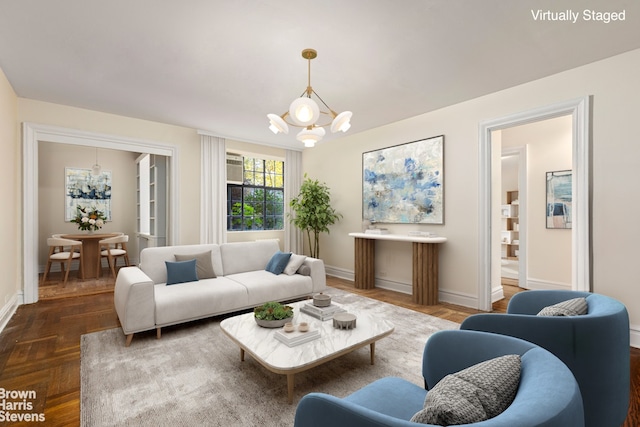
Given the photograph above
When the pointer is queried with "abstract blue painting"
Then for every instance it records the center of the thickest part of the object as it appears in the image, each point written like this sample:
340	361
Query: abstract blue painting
86	190
559	198
404	183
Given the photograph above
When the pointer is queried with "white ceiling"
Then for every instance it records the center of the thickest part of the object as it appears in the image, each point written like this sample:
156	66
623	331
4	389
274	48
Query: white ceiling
221	66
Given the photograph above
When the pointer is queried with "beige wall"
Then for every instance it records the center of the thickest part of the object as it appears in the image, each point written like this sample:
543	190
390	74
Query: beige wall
615	172
548	145
10	219
53	159
187	140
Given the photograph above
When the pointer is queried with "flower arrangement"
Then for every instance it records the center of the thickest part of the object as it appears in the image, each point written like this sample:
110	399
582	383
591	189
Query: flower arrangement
89	218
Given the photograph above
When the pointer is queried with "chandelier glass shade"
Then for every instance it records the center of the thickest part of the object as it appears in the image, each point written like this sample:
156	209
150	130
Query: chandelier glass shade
304	112
96	169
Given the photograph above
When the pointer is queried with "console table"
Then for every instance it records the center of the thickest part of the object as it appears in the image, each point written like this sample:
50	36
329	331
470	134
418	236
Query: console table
425	263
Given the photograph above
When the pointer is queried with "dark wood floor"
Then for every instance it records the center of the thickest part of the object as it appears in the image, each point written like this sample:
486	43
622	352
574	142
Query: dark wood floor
40	347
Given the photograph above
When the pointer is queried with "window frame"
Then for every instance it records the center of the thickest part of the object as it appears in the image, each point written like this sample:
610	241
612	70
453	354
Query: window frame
249	205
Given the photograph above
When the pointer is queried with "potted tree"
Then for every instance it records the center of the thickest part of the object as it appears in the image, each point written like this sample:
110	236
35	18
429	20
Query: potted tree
312	212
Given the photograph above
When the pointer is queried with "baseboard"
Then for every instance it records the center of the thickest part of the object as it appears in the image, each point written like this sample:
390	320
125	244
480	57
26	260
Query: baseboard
55	268
537	284
9	309
340	273
457	298
464	300
497	293
635	336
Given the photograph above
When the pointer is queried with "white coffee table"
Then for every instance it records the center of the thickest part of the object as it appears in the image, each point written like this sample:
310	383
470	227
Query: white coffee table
279	358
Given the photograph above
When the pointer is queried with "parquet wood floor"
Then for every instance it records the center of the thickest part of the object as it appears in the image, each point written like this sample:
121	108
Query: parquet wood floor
40	347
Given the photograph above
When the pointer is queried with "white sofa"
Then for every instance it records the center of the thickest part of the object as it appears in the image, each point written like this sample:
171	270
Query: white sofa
143	301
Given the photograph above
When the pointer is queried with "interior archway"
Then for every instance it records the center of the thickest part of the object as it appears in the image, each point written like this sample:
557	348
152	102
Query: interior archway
31	135
581	243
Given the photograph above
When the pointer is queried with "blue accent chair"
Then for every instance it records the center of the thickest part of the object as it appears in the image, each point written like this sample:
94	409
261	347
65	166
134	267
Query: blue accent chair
594	346
548	394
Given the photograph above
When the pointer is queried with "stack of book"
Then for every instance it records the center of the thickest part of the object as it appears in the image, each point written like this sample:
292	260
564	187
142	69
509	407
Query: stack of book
295	338
421	234
376	231
322	313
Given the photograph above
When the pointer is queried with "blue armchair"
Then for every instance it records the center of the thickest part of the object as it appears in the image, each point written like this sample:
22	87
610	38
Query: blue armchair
548	394
595	346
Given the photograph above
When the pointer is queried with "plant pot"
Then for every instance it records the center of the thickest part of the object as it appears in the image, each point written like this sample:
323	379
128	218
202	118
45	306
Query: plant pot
272	323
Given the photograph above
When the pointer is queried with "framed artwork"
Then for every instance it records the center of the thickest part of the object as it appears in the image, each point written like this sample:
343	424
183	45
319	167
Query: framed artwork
559	198
403	184
86	190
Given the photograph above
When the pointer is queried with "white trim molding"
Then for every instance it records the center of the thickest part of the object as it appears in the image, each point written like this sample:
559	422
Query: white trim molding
635	336
10	307
579	109
457	298
32	133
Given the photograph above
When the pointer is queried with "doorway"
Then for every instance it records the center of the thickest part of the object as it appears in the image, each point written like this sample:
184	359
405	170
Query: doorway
513	217
32	135
580	239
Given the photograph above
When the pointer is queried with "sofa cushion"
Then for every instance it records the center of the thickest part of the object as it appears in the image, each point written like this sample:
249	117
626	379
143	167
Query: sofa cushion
477	393
278	262
239	257
196	300
572	307
294	264
204	265
181	271
263	286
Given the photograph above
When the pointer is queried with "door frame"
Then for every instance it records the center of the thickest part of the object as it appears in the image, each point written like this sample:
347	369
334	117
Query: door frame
32	134
579	109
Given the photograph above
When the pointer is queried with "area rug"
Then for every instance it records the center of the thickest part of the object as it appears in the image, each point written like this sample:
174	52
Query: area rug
193	376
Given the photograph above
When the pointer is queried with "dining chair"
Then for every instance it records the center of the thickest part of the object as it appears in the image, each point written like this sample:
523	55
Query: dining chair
63	251
113	248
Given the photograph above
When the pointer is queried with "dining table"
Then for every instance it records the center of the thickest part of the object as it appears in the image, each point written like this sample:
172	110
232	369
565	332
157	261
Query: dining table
90	251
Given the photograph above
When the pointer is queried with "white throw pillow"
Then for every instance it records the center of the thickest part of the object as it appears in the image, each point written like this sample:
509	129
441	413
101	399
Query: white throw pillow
294	264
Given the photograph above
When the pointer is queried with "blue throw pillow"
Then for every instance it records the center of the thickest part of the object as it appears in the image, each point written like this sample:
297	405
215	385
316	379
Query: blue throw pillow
278	262
181	271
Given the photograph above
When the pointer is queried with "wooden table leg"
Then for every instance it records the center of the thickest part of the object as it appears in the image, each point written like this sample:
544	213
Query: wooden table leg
365	257
373	352
290	388
425	273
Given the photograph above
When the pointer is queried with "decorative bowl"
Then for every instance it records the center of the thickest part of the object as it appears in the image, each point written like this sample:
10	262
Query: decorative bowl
322	300
344	321
273	323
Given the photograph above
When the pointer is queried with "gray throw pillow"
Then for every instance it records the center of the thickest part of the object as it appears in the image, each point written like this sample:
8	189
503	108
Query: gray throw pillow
472	395
304	270
204	265
572	307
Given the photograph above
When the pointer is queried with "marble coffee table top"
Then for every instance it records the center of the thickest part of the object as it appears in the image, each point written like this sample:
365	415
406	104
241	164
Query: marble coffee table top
280	358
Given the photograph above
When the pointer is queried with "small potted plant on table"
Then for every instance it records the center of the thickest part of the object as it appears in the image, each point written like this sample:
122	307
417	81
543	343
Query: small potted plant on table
273	314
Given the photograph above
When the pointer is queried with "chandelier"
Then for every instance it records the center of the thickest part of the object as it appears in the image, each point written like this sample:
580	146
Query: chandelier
305	113
96	169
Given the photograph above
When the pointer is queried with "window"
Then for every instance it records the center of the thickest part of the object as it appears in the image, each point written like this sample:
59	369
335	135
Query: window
257	203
